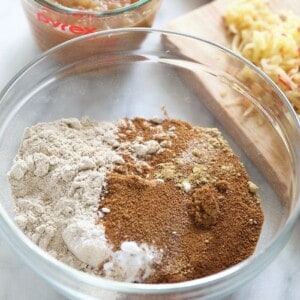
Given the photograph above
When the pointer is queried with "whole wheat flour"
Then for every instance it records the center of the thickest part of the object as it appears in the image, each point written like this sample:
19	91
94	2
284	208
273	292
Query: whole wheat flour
57	180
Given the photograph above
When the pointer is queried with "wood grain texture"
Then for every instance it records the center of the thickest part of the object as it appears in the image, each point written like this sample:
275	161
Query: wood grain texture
259	140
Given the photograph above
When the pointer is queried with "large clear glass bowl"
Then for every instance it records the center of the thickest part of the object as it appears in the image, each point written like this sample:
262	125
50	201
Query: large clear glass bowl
134	72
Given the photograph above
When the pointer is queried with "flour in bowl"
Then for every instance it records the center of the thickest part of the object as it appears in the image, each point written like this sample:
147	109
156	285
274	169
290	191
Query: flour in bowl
136	200
57	179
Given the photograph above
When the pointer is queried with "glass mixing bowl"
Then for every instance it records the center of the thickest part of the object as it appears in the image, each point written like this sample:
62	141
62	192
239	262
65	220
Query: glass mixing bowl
138	72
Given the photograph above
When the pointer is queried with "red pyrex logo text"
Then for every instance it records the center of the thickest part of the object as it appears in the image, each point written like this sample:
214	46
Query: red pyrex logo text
62	26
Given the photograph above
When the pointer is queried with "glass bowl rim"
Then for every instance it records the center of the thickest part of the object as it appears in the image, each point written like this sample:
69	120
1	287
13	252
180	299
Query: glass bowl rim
80	12
14	235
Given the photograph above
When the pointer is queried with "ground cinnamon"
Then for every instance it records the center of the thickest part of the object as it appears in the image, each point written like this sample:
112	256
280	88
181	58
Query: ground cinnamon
193	200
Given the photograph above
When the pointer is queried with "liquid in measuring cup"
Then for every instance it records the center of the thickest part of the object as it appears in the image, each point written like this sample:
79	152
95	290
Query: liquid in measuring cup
53	23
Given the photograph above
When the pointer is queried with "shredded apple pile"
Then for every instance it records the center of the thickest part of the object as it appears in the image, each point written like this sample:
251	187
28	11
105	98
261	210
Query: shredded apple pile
269	40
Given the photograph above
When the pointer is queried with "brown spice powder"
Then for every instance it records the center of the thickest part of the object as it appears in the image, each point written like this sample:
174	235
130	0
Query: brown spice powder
201	232
203	208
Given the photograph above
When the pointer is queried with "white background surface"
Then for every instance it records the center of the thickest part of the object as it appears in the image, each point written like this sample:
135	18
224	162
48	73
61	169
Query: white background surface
281	280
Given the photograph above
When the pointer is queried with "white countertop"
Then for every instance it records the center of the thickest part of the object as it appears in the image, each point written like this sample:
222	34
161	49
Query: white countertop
281	279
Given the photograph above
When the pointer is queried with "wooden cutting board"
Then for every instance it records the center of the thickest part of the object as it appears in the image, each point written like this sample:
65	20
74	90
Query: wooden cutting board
259	141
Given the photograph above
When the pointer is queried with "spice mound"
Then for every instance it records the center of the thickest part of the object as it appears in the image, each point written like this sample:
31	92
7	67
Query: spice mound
135	200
